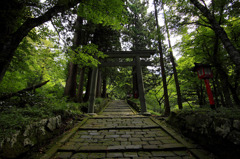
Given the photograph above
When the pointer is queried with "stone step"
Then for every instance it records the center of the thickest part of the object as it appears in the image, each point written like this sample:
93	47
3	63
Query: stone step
120	133
121	117
118	113
115	148
119	107
121	123
175	154
117	110
119	128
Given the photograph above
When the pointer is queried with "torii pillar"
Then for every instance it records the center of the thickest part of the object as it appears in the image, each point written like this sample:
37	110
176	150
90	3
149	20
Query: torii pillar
141	87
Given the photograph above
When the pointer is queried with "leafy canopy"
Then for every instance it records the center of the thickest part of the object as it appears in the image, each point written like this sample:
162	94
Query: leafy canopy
104	12
85	55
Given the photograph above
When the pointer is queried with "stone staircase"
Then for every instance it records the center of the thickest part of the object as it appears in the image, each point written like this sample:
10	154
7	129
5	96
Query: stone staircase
119	132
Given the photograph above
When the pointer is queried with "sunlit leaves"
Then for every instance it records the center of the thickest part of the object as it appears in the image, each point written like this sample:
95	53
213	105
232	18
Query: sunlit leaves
103	12
86	55
37	59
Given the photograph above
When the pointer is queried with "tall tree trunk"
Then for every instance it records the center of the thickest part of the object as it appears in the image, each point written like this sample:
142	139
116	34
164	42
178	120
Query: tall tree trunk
232	51
104	90
83	37
179	96
166	101
226	93
200	94
224	76
225	81
71	84
99	85
80	86
216	94
9	45
87	94
200	102
222	100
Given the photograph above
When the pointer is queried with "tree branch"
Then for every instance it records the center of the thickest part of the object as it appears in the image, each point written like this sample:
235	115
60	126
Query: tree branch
232	51
197	23
23	90
13	40
30	23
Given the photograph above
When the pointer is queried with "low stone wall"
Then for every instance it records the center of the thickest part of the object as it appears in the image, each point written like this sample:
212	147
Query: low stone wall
32	135
219	135
39	133
133	105
99	107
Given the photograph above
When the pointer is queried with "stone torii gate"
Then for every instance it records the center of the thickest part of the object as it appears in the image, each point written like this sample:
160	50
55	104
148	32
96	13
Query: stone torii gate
136	55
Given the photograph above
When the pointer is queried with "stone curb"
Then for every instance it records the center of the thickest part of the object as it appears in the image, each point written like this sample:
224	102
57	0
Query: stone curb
64	139
198	153
108	102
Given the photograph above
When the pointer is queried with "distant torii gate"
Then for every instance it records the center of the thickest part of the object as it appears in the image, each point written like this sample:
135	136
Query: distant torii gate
123	54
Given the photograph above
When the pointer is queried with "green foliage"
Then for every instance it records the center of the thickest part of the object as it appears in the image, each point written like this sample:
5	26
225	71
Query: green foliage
35	61
99	100
231	113
104	12
119	82
86	55
39	58
36	107
140	30
152	105
222	112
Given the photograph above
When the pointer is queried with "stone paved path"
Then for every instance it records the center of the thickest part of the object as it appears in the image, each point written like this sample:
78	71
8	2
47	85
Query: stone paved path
120	133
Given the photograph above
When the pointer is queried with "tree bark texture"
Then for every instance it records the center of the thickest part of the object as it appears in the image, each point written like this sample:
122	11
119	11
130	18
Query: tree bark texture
104	89
179	96
200	95
87	94
226	93
224	77
9	45
99	85
166	101
216	94
71	83
80	86
232	51
221	95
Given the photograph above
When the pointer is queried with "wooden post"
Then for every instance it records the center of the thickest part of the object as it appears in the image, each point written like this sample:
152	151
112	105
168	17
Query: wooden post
140	86
93	91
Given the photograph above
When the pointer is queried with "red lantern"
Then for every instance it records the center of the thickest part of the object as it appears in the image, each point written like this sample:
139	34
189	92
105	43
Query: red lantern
204	72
